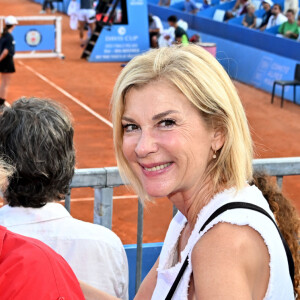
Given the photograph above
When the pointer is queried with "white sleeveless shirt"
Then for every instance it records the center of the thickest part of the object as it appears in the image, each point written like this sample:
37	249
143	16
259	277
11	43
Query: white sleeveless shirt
280	286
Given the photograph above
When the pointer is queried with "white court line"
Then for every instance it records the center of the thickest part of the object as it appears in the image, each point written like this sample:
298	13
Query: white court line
67	94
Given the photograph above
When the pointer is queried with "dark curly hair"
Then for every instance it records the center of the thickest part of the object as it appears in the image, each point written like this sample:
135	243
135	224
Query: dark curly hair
286	218
36	137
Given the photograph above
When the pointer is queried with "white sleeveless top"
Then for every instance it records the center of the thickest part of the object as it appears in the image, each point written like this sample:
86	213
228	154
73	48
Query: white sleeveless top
280	285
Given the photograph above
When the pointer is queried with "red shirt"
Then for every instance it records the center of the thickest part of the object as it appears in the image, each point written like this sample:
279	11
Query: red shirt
31	270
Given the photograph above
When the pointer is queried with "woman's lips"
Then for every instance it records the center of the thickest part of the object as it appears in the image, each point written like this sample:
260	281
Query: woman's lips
155	169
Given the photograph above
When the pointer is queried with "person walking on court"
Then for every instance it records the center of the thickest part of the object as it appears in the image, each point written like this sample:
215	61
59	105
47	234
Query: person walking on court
86	15
50	4
7	51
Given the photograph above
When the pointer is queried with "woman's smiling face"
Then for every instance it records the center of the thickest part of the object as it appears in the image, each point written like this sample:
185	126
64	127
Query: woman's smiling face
166	142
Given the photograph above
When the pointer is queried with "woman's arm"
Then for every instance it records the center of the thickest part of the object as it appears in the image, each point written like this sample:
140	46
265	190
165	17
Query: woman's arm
230	262
253	24
147	287
244	22
91	293
4	54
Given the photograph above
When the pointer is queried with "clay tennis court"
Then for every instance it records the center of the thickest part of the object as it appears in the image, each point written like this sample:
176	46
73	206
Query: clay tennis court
85	88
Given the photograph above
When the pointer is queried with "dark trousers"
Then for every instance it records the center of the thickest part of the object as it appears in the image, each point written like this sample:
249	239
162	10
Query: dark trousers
46	3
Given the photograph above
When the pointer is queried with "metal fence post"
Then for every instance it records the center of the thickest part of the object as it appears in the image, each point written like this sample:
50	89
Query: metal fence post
139	249
279	180
103	206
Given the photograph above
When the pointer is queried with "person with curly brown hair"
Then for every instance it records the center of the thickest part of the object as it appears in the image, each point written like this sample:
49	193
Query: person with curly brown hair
36	137
29	269
286	217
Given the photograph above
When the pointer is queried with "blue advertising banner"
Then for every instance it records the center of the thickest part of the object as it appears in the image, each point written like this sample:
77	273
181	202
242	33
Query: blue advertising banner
123	42
34	37
253	66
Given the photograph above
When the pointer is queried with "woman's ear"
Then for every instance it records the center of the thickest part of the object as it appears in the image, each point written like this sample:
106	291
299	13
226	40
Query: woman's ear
218	139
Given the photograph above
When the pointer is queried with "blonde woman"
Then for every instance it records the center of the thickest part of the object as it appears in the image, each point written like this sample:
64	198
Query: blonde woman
180	131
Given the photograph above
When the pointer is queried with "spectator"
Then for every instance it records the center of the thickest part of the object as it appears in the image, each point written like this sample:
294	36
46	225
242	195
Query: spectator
195	39
37	136
181	36
164	3
298	21
267	4
289	29
206	4
48	3
29	269
167	37
277	18
190	7
240	8
155	30
86	15
180	132
7	51
250	17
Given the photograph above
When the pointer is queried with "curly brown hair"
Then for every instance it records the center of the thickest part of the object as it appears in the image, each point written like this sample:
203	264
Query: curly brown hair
286	218
36	137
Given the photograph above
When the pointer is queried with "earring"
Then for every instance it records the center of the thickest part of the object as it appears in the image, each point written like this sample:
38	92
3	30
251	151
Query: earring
215	155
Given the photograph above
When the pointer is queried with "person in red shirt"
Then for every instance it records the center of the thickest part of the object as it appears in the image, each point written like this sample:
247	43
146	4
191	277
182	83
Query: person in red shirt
29	269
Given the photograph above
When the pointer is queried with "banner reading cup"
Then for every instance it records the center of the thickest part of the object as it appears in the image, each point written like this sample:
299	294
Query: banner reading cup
123	42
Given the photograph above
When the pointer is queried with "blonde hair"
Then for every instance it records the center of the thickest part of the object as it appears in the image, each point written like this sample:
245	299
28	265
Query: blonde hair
251	6
204	82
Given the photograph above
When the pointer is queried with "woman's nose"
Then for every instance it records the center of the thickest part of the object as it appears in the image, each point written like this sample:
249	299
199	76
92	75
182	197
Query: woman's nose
146	144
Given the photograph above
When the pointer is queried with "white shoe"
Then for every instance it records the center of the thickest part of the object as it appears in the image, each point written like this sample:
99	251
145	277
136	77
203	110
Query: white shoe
54	10
42	11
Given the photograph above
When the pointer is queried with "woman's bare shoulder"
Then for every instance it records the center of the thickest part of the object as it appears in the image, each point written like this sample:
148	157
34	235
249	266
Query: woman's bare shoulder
230	260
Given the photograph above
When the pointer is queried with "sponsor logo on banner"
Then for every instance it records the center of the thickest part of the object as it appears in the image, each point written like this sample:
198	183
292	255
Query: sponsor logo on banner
33	38
121	30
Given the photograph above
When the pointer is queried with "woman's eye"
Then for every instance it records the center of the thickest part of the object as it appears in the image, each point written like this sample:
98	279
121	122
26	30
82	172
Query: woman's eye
129	127
167	123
